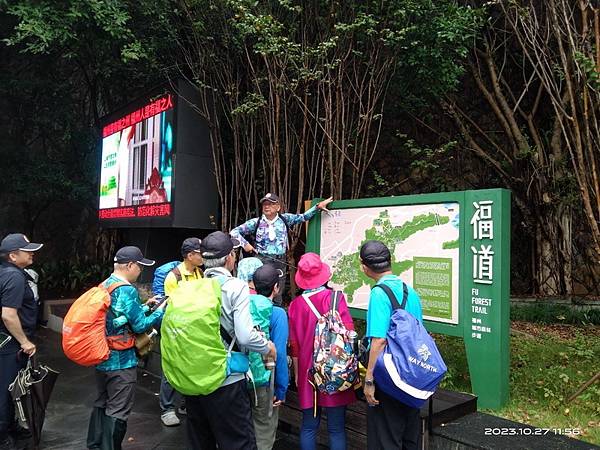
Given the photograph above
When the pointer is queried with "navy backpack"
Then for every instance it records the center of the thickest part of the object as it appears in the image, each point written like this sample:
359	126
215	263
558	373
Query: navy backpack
410	367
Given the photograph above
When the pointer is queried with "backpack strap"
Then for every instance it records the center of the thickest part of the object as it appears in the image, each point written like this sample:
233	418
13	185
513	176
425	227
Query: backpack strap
311	306
335	295
392	297
113	286
110	289
283	219
177	273
231	342
256	229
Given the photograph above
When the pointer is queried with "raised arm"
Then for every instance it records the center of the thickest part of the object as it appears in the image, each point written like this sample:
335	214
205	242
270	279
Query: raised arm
293	219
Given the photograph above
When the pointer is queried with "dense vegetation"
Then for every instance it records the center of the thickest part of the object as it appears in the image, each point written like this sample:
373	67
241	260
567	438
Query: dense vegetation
314	98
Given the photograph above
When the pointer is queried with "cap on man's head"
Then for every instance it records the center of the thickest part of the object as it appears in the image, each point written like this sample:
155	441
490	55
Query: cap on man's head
218	244
375	252
271	198
17	241
266	277
191	244
132	254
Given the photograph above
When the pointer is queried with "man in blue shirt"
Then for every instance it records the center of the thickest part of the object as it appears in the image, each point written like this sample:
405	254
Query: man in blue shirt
390	424
265	281
270	233
116	377
19	317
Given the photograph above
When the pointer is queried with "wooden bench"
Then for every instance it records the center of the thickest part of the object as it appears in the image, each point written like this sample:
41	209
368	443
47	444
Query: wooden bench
445	406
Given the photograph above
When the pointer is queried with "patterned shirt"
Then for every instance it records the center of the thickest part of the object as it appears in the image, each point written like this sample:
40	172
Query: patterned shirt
271	238
125	301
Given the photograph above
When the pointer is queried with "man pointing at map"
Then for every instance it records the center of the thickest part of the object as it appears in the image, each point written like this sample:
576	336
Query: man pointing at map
268	234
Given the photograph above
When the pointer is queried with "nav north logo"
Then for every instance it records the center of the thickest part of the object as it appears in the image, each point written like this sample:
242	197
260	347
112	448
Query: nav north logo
424	352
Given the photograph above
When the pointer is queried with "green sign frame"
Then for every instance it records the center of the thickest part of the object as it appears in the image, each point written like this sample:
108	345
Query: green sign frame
484	282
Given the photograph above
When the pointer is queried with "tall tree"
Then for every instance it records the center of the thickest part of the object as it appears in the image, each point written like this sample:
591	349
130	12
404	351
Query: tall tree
294	92
536	70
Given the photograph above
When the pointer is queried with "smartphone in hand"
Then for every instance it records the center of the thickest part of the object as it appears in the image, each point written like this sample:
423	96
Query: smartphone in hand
160	304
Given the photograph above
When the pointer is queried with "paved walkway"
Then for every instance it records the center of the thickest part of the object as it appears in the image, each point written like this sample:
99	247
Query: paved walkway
70	406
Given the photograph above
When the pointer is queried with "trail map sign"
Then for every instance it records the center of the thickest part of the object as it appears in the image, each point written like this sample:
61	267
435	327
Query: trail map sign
454	249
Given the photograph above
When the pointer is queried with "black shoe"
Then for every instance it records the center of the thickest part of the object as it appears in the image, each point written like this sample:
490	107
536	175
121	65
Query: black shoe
113	433
7	444
119	433
94	437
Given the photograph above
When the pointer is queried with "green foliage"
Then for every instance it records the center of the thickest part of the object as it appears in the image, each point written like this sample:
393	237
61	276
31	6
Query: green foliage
544	372
45	26
588	66
452	350
555	314
380	186
431	163
65	278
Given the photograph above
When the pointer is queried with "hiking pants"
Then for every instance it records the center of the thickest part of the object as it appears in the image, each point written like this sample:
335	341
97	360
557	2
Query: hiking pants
223	417
116	392
265	427
392	424
168	396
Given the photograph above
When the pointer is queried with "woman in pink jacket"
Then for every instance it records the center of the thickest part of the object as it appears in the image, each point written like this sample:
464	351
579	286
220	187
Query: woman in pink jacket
312	276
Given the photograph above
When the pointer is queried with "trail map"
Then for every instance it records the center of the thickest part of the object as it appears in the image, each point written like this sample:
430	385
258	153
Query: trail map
423	239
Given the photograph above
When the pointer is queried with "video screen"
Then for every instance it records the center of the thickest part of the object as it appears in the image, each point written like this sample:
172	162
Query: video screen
137	163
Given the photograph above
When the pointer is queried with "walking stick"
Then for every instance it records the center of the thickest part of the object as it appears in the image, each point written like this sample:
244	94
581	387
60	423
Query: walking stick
586	385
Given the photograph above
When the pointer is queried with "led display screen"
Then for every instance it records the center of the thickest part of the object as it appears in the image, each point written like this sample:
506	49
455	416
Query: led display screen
136	177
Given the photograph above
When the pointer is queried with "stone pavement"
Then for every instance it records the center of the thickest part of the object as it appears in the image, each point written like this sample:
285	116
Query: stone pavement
71	402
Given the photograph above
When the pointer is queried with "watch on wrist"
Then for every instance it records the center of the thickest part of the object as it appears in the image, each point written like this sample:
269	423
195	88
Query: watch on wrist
369	382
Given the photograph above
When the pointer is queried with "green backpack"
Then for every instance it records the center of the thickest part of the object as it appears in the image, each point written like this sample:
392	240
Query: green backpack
194	359
261	309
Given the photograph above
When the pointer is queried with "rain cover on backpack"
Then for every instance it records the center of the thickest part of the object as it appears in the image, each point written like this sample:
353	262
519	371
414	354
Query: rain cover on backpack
84	338
261	310
335	365
194	359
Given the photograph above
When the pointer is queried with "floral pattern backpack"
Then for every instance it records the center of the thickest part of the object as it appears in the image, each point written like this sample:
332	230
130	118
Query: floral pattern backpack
335	365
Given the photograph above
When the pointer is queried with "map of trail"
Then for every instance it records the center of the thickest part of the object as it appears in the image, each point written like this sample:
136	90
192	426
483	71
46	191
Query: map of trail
423	240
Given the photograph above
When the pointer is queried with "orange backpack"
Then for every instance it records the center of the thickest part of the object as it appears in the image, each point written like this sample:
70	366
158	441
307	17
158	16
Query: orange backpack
84	339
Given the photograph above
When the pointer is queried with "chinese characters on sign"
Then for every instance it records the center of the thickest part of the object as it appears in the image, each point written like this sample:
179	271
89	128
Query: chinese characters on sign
151	109
483	263
483	228
483	225
158	210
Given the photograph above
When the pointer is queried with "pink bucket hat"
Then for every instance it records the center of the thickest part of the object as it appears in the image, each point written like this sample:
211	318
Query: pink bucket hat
312	272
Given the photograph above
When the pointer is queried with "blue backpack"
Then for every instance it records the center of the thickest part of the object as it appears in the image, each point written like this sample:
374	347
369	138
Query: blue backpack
410	367
161	272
